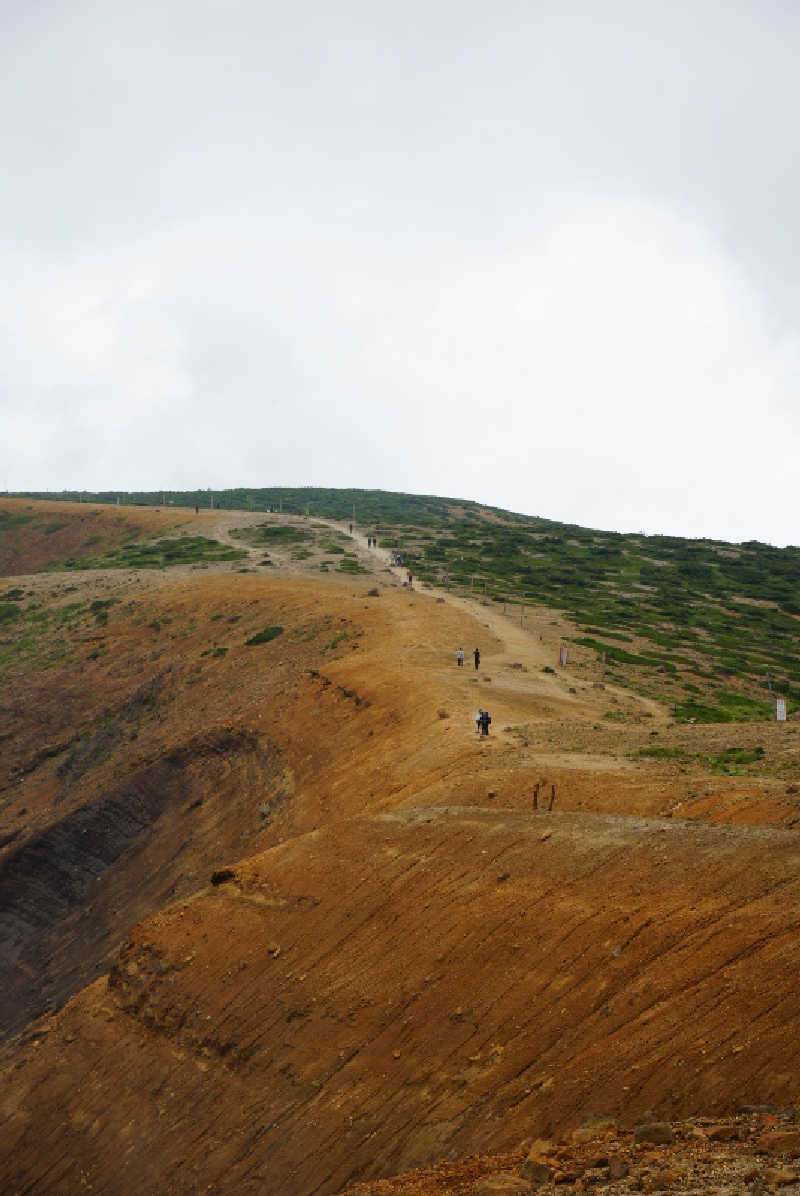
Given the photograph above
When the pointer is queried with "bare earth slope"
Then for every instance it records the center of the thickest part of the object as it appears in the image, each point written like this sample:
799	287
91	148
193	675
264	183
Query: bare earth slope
399	959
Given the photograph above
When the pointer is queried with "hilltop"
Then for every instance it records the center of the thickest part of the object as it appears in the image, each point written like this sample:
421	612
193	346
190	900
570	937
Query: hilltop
277	919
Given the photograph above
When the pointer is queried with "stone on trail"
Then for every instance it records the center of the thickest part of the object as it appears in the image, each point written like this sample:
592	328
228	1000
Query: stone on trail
617	1168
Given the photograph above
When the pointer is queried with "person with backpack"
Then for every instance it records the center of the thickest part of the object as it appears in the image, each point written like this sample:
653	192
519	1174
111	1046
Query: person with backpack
486	718
459	657
477	657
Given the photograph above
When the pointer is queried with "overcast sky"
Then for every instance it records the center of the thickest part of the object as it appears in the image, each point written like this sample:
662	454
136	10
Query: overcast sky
540	255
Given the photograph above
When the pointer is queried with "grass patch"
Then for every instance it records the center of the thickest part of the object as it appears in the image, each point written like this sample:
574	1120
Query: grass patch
350	564
160	554
263	637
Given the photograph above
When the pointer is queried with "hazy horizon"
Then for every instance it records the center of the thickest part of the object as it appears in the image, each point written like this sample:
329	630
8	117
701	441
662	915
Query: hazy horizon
544	256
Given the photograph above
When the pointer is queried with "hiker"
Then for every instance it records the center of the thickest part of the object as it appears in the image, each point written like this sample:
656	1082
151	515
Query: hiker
410	579
477	657
459	657
351	528
486	718
478	717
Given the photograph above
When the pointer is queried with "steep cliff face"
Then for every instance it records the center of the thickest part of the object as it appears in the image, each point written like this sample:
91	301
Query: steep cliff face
68	894
417	985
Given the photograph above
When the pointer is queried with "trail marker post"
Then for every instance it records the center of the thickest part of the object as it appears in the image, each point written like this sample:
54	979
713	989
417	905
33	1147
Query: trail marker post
780	708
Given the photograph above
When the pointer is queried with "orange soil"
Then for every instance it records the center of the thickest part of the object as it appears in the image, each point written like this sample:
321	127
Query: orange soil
408	962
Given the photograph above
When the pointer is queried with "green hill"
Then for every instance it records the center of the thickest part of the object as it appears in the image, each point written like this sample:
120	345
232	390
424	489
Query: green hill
698	623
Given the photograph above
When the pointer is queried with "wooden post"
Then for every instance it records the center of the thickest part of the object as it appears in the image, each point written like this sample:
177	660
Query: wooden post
536	796
552	797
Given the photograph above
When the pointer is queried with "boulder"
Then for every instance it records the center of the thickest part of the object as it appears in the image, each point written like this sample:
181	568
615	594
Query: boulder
657	1132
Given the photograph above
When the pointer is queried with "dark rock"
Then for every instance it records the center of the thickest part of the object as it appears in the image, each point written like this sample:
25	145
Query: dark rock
657	1132
222	875
536	1171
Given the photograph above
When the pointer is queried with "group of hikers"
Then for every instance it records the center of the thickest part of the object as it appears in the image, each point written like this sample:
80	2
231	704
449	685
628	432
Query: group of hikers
482	717
476	656
482	720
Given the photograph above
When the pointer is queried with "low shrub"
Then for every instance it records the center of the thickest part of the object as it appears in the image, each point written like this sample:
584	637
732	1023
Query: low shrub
263	637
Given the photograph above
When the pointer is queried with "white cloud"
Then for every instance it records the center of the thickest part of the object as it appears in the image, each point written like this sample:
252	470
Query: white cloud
543	260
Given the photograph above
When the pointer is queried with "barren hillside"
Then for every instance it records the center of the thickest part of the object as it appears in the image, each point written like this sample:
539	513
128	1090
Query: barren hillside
274	918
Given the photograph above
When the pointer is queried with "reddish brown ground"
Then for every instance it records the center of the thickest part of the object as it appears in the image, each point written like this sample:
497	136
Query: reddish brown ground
407	963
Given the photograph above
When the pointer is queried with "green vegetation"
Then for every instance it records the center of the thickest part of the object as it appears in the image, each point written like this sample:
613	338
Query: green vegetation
263	637
697	623
350	564
159	554
731	761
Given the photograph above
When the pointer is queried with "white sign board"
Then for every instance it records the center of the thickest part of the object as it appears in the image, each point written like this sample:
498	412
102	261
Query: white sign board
780	710
563	655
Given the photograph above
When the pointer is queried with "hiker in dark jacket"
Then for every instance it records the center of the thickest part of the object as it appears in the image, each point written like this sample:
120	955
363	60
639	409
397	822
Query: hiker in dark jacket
486	718
476	654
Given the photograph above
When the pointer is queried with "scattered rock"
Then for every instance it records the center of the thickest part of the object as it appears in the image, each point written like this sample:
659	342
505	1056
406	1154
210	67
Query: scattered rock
373	593
722	1133
504	1183
657	1132
590	1131
617	1168
444	713
536	1171
780	1142
780	1175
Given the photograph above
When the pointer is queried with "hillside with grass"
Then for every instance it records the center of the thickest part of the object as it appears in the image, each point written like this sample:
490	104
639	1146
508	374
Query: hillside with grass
708	627
275	917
